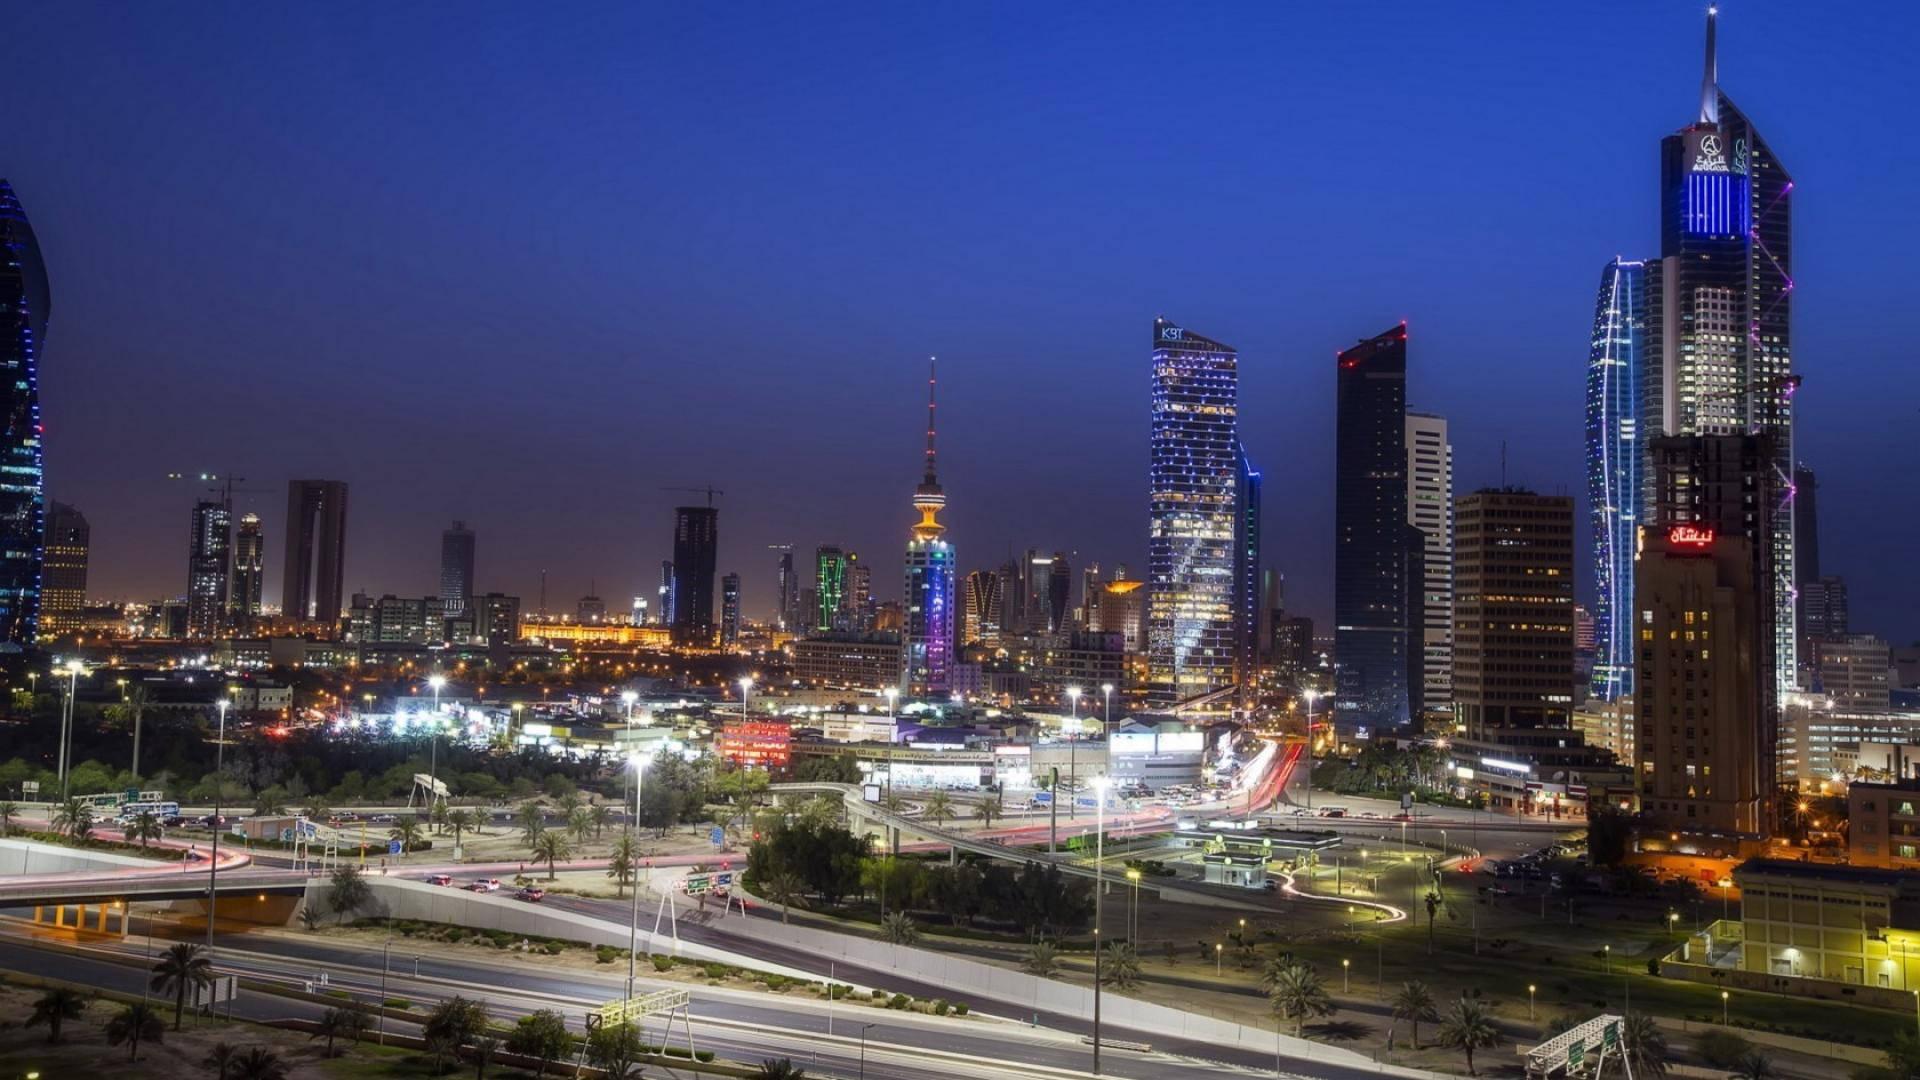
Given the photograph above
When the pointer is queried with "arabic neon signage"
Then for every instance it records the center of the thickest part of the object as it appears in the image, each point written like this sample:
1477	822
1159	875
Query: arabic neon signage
1690	536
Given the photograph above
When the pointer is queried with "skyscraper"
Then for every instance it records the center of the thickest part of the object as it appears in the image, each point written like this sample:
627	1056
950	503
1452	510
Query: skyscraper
856	601
1430	510
1012	596
249	573
1193	519
24	303
1806	541
1615	457
63	585
1720	358
696	552
456	569
829	585
1034	617
729	610
1059	592
1246	573
1371	549
930	571
982	610
1513	620
209	568
786	592
663	613
316	551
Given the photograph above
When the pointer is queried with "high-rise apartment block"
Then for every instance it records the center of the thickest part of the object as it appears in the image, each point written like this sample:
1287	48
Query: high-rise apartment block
209	568
63	583
1430	510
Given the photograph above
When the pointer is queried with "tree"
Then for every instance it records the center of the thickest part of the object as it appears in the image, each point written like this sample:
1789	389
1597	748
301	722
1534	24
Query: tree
1609	833
779	1069
1645	1046
8	811
991	809
1413	1002
56	1007
145	827
1469	1028
1433	902
438	815
1755	1066
220	1059
1295	993
134	1023
459	821
74	818
532	821
542	1036
258	1064
580	824
1721	1049
484	1048
624	863
602	817
182	969
784	888
553	847
1121	965
1042	960
616	1049
900	929
407	831
349	1024
451	1025
1903	1057
348	891
938	808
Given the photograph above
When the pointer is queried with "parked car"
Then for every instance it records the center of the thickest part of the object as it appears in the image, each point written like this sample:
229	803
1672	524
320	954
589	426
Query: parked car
440	879
531	895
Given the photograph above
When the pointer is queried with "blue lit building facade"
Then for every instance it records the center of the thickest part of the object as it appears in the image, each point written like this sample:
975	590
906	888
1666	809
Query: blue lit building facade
24	303
1719	300
1613	467
1194	527
929	615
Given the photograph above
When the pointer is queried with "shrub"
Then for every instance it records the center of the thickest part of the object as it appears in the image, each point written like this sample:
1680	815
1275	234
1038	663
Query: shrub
959	1008
940	1007
714	971
662	962
341	994
703	1055
836	991
605	954
554	948
397	1003
899	1001
1721	1049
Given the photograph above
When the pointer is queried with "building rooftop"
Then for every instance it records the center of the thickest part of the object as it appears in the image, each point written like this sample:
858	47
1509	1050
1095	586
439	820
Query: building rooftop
1838	873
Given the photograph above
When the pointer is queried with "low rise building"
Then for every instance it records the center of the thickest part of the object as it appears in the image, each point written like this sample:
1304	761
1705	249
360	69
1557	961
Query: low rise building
1883	825
850	660
1846	924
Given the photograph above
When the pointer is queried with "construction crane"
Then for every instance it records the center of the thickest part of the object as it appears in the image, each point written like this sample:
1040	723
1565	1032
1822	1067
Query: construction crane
709	491
222	486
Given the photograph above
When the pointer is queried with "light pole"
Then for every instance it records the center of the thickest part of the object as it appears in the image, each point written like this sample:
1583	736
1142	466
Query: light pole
433	766
1217	950
863	1049
66	724
746	687
1133	908
1073	747
1346	969
1100	784
893	695
633	830
1311	696
1606	957
213	858
385	951
1106	691
1531	988
1723	1007
627	699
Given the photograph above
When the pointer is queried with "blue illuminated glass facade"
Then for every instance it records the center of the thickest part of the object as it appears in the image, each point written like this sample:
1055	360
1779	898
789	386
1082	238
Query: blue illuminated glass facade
1613	467
930	580
24	305
1193	519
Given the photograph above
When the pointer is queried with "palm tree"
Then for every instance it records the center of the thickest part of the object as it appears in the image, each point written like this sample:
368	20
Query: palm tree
1042	960
1296	993
1645	1046
580	824
144	827
1755	1066
938	809
348	891
1469	1028
258	1064
407	832
602	817
438	816
56	1007
484	1048
8	811
779	1069
533	822
784	887
132	1024
182	968
1414	1002
893	802
991	809
1121	965
74	817
1433	905
899	929
220	1059
459	821
552	847
349	1024
625	861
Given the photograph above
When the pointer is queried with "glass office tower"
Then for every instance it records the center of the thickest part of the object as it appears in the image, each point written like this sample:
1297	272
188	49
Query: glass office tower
1613	467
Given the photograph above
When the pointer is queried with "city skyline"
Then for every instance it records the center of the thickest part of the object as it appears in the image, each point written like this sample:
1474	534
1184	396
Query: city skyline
1013	447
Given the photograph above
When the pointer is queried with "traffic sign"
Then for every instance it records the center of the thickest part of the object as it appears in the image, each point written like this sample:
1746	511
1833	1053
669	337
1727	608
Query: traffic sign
695	884
393	847
718	837
722	879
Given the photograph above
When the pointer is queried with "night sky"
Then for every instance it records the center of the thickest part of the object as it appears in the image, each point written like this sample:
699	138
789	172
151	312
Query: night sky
527	265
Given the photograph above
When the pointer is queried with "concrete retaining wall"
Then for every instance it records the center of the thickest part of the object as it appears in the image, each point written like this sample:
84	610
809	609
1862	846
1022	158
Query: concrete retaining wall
32	857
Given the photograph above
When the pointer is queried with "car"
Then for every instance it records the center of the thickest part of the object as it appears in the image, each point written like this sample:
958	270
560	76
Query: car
485	884
531	895
440	879
383	819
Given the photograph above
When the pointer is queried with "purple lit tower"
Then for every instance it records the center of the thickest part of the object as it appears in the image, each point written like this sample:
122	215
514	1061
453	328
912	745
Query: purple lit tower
1719	300
929	614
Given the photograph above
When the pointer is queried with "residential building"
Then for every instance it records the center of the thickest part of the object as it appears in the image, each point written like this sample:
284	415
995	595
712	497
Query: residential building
63	582
1122	610
1430	510
1883	825
496	619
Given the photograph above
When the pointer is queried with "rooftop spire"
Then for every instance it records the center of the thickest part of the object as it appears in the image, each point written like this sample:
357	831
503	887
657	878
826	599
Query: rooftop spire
1710	79
933	382
928	498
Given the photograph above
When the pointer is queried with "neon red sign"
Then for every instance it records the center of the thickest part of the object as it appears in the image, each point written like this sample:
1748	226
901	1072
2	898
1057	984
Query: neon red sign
1690	535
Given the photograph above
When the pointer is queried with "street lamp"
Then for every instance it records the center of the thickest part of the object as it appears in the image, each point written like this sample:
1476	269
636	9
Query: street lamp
1530	989
1606	957
73	670
1311	696
639	762
1100	785
1106	691
213	858
746	687
1217	950
433	762
1133	908
1346	968
893	694
1723	1007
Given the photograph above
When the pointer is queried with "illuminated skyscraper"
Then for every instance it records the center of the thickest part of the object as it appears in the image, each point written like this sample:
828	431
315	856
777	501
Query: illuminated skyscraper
24	304
1615	457
787	592
456	569
1059	592
249	573
1430	510
63	589
1193	519
1372	550
829	585
982	610
929	596
1246	573
209	567
316	551
696	550
729	610
1720	359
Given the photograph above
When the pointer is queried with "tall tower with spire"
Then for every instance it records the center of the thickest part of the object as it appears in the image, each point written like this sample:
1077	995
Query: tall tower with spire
930	570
